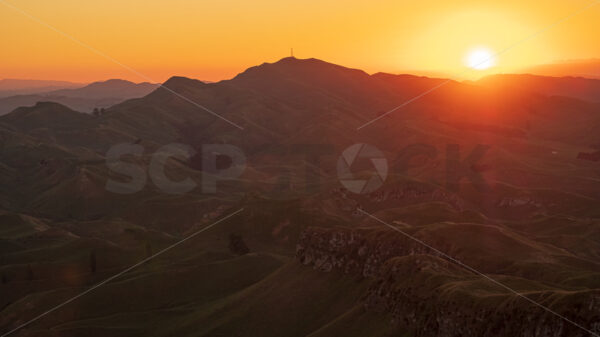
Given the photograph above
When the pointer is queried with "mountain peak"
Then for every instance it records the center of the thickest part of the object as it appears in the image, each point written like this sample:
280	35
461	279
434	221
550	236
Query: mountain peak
113	88
112	81
300	80
116	83
175	81
179	84
292	66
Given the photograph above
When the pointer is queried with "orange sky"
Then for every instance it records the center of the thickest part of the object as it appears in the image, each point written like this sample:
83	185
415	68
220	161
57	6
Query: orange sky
213	40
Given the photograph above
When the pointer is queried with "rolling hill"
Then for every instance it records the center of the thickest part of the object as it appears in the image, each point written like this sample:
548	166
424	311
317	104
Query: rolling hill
523	210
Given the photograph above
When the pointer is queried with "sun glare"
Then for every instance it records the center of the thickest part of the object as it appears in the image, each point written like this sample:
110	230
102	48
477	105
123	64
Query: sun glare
480	59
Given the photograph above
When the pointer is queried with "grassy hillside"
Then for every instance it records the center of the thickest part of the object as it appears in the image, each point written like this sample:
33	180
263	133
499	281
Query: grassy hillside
524	211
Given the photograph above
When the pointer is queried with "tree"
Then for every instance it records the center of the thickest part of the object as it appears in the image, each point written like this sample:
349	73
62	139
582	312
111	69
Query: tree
102	111
93	261
96	112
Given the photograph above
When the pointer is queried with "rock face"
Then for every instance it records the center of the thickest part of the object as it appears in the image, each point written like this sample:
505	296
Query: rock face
352	252
428	295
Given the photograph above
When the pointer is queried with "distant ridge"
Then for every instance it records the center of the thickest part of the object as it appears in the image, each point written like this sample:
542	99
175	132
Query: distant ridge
113	88
576	87
95	95
580	68
15	84
10	87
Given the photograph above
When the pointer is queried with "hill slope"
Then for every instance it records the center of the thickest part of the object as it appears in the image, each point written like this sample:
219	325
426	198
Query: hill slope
487	175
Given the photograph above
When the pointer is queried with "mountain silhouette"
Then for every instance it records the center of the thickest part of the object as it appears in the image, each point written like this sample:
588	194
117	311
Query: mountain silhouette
85	99
11	87
587	68
576	87
114	88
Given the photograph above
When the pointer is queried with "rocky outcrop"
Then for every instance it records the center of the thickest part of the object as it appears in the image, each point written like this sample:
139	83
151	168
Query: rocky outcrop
519	201
357	252
428	295
415	292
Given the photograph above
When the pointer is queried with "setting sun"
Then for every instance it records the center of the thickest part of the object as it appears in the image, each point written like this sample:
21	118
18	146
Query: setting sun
480	59
433	40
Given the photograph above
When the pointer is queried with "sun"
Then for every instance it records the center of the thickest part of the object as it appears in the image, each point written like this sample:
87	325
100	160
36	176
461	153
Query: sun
480	58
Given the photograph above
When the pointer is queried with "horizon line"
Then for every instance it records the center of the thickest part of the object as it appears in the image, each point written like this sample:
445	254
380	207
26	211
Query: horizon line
413	72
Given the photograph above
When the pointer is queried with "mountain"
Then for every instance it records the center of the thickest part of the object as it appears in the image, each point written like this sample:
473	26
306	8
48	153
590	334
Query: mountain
578	68
86	98
114	88
483	173
576	87
11	87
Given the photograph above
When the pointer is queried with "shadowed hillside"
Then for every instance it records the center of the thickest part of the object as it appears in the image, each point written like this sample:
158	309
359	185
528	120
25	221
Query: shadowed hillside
486	173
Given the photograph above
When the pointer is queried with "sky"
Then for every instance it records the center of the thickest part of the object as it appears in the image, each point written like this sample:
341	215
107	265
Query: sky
152	40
